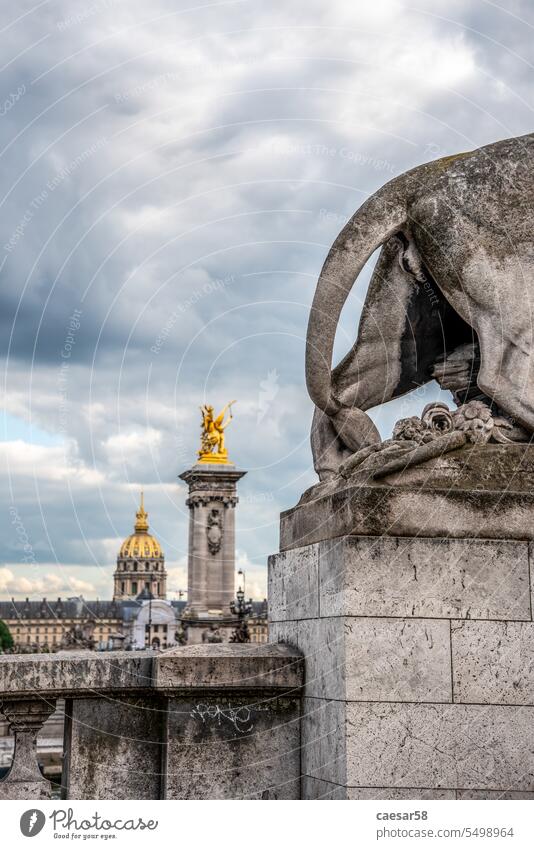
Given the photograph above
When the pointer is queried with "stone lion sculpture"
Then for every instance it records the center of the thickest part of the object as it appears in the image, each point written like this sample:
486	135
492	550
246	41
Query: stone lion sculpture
451	298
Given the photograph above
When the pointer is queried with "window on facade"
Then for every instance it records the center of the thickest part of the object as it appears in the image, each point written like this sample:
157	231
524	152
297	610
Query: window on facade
134	586
156	629
147	567
135	567
122	586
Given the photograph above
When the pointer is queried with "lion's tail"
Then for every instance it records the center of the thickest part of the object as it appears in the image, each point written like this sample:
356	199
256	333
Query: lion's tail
377	220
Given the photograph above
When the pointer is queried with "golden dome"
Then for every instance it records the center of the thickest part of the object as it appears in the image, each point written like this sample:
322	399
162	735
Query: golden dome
140	544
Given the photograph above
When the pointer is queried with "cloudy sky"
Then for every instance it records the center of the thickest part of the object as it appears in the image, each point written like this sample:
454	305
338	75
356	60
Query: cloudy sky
172	175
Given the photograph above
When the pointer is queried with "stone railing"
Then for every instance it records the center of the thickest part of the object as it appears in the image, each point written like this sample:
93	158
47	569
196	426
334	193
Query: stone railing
199	722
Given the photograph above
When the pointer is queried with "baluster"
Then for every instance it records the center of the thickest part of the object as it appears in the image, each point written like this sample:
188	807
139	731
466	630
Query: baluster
26	718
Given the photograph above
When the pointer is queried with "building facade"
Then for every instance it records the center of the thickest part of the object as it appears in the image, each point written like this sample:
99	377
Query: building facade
49	626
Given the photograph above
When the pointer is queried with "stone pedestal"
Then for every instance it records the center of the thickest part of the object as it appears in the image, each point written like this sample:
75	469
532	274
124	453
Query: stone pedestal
419	649
211	560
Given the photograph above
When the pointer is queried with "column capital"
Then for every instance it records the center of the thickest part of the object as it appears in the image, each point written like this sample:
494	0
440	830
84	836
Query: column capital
212	477
203	499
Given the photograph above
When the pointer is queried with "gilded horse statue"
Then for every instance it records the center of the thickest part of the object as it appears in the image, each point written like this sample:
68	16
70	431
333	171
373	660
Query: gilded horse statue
212	448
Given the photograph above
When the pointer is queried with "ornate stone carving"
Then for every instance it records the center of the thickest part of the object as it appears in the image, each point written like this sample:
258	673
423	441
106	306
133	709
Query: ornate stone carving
80	636
465	323
214	531
437	432
437	418
212	635
199	499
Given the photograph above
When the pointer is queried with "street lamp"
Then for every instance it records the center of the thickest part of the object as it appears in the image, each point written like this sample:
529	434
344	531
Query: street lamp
242	609
148	627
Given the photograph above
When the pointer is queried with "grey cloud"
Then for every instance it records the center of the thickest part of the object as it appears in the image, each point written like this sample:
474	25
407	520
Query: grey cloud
218	144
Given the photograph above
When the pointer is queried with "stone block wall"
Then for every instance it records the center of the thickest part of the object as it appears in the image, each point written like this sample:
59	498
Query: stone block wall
419	665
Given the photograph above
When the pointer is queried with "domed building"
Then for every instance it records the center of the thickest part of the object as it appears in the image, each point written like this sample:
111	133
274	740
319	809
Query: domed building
140	563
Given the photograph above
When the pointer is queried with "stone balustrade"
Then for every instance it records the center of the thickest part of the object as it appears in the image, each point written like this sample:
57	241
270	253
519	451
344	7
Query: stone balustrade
198	722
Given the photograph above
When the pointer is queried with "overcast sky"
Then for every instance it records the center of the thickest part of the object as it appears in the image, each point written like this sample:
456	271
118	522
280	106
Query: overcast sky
173	175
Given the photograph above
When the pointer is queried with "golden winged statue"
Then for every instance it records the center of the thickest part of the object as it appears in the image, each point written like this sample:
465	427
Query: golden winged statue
212	448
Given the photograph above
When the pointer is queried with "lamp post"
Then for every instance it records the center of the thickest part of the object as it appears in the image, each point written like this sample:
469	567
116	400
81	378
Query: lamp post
148	627
242	609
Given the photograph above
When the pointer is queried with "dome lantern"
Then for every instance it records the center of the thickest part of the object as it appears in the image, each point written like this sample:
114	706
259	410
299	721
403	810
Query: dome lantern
141	518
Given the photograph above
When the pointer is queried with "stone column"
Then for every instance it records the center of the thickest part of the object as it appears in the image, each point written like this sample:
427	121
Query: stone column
227	591
211	562
197	576
26	718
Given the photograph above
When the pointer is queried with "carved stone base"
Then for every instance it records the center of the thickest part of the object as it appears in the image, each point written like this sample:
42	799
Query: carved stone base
484	491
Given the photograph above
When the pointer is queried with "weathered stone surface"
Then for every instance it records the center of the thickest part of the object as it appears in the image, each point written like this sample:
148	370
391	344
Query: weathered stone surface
84	670
414	745
493	662
283	632
407	511
397	794
463	746
324	646
445	578
228	748
494	794
202	666
474	470
229	667
316	789
293	585
371	659
115	748
324	740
